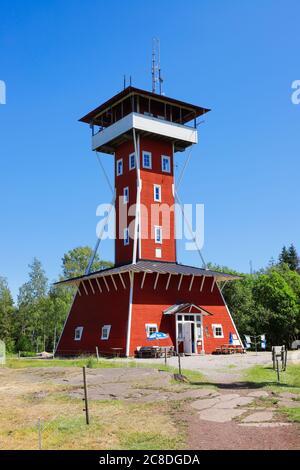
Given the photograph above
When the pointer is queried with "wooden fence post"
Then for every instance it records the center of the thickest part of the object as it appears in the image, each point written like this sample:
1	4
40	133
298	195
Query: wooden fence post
86	409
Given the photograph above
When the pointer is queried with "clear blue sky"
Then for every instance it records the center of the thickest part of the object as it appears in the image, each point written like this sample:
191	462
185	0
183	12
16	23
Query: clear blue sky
61	59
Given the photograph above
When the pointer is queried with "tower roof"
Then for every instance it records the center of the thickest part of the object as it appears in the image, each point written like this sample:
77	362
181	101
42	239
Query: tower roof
183	112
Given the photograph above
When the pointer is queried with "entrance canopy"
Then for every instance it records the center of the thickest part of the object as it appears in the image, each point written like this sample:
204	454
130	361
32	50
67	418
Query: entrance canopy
186	308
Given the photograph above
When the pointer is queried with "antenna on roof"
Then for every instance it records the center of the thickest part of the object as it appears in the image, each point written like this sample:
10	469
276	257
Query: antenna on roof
124	82
155	69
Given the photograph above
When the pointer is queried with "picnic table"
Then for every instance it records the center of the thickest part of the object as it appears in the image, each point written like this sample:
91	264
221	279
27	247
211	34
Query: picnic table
116	351
230	349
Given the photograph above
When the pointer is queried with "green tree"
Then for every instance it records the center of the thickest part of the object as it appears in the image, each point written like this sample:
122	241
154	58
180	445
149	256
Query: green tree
6	314
278	306
75	262
30	323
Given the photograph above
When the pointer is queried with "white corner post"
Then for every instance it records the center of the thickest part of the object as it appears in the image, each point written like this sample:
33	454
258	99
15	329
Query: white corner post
137	227
131	277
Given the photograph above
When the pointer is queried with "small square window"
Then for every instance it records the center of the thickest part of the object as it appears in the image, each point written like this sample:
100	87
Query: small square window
147	160
165	164
105	331
158	234
218	331
126	195
78	333
157	193
120	167
126	236
157	253
151	328
131	161
179	317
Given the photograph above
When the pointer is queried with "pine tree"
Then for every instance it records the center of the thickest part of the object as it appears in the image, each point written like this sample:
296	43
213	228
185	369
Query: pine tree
293	258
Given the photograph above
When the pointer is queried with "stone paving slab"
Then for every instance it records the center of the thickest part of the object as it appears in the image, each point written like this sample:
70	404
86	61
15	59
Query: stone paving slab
259	417
235	402
289	395
265	425
258	394
219	415
204	403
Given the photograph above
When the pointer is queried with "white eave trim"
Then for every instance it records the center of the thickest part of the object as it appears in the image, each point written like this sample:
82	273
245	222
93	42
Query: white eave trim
144	123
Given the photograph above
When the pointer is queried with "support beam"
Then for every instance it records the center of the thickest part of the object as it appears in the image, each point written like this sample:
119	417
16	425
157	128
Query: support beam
191	283
98	284
91	285
78	290
122	280
113	281
168	281
213	285
85	289
143	280
223	285
202	283
180	281
105	282
156	279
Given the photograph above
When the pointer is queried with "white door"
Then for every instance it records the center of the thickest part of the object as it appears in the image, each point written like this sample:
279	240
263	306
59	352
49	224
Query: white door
187	338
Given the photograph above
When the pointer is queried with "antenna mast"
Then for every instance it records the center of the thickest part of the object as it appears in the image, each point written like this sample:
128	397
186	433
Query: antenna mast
155	69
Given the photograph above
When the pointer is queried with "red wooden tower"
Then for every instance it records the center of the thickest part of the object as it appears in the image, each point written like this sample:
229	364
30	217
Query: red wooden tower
146	290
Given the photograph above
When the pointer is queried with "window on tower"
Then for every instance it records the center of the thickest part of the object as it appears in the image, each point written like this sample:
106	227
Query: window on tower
126	236
158	234
147	160
131	161
120	167
157	193
165	164
126	195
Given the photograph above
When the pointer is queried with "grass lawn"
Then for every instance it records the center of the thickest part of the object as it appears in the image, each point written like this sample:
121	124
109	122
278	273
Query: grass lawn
265	376
289	382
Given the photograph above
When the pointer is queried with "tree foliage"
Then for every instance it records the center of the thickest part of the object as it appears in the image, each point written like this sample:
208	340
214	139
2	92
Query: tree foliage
75	262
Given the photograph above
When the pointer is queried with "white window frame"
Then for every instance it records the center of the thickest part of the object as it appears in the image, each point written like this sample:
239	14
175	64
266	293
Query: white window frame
155	187
78	329
130	166
126	196
157	227
148	326
126	236
162	163
214	327
119	173
158	253
150	160
108	328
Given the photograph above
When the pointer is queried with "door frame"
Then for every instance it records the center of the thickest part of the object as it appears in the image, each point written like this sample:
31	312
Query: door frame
192	322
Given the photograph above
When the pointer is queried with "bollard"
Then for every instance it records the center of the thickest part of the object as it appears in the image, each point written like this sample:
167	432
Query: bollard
278	376
165	356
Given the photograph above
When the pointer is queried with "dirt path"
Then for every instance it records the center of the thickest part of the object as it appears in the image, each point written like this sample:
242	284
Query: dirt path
228	416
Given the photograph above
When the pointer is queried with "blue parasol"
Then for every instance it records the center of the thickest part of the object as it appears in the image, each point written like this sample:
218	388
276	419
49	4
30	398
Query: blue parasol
230	338
158	335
